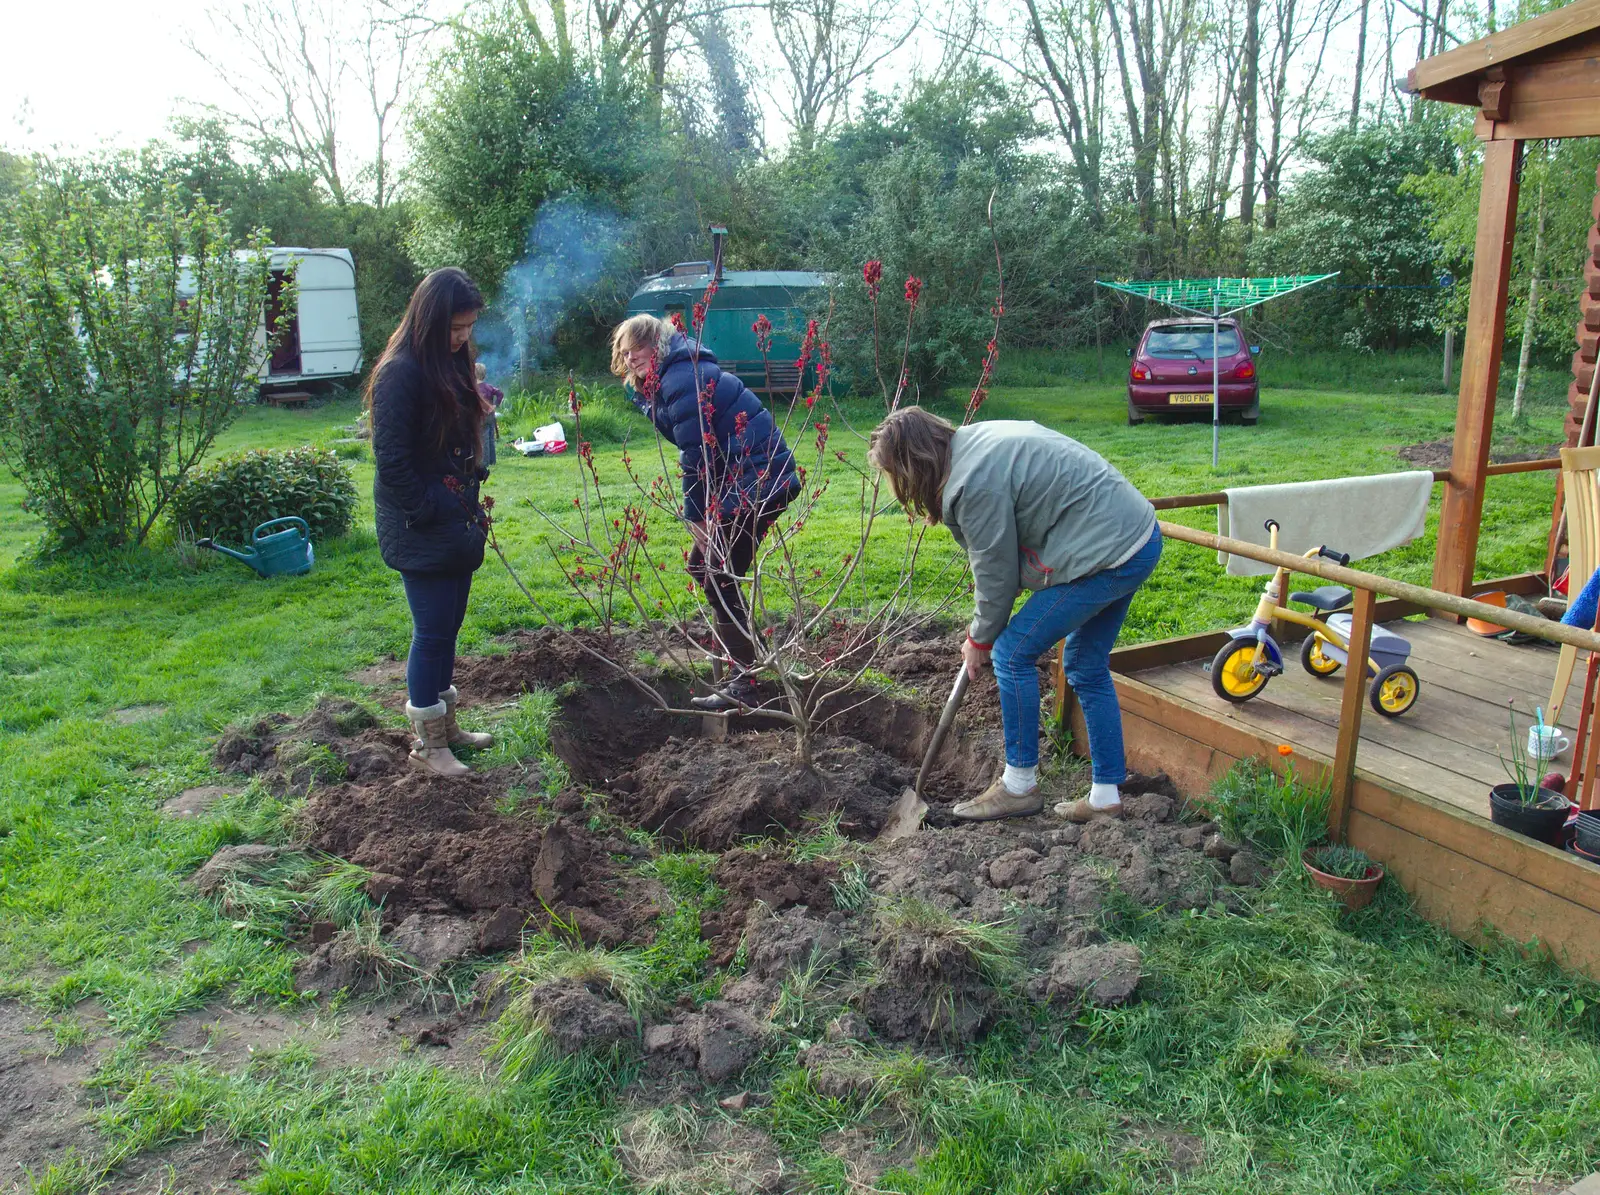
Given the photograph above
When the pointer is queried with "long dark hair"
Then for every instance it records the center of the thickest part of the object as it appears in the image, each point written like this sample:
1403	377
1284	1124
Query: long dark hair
424	336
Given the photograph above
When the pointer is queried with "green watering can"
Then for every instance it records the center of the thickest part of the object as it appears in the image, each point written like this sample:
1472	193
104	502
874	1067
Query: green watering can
286	553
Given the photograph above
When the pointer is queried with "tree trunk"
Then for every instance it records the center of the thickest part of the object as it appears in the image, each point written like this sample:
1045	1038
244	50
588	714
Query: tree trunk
1250	86
1533	309
1361	64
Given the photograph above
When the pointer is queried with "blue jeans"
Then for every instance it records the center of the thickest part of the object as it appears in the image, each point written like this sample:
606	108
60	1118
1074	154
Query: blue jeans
438	604
1087	613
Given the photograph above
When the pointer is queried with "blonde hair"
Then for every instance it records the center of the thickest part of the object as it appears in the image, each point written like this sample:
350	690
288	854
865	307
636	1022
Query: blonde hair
632	332
480	371
912	447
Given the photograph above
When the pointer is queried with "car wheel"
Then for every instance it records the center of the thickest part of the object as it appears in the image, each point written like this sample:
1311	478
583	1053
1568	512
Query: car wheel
1135	416
1251	414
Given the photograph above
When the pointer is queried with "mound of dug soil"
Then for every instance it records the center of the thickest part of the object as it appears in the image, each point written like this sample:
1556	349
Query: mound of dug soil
337	740
441	847
715	794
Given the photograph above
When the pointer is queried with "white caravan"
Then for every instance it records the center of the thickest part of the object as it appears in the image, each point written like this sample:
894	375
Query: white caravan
324	337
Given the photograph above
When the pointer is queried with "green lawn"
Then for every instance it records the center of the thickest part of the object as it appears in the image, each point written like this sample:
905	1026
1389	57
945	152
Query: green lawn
1373	1055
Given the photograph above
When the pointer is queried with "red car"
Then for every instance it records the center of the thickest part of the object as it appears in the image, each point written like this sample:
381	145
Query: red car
1171	371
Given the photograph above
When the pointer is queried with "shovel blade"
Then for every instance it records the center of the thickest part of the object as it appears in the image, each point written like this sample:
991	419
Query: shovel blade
905	817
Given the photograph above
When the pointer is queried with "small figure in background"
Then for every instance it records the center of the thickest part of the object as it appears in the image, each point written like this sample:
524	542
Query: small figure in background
490	397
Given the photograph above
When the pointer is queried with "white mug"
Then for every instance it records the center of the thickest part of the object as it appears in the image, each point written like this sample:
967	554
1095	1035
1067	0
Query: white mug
1546	743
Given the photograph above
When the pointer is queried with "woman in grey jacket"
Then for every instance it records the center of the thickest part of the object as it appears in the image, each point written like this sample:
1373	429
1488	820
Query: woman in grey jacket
1034	510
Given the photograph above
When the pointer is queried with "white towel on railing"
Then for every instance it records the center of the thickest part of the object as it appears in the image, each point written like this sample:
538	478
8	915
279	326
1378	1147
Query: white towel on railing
1359	515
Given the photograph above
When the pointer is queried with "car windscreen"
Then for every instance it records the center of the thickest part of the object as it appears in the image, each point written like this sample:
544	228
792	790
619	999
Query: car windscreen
1190	342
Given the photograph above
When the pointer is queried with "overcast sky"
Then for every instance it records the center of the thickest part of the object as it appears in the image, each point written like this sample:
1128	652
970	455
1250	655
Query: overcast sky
82	72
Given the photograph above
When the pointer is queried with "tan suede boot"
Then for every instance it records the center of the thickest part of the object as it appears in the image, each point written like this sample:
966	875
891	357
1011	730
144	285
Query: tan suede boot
431	751
998	801
454	735
1080	811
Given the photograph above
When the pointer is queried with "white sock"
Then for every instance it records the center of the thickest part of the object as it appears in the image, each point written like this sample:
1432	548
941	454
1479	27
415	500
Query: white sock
1020	780
1104	796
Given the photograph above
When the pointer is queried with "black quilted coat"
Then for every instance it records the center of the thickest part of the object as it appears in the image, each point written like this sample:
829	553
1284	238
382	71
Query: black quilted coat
732	453
423	524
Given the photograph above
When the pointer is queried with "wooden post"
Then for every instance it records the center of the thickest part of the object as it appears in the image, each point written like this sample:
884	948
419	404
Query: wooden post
1449	355
1355	696
1462	511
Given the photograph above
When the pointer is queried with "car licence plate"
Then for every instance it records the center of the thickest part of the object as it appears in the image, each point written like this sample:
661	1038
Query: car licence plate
1190	400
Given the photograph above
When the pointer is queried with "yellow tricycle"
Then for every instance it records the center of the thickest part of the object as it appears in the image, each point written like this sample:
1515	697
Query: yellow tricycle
1252	657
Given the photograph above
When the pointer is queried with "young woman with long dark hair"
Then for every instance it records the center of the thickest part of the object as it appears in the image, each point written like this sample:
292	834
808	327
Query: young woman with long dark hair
1033	510
427	440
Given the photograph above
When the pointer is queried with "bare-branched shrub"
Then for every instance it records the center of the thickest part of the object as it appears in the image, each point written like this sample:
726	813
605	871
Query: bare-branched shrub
822	613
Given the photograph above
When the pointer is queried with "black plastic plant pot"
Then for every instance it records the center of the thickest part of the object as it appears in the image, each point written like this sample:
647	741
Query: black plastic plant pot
1587	830
1541	818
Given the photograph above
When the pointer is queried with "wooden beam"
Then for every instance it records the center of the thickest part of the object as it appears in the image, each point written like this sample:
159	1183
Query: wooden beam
1462	511
1355	692
1539	628
1498	49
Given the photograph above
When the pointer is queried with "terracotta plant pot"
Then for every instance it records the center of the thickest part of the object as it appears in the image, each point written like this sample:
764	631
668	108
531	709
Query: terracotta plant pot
1356	894
1541	819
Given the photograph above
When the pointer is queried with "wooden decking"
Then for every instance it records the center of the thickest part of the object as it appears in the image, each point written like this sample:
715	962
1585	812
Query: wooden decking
1420	797
1447	746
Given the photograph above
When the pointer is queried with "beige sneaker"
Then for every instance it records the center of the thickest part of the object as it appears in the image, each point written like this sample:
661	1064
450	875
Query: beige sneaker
1080	811
431	751
454	735
997	801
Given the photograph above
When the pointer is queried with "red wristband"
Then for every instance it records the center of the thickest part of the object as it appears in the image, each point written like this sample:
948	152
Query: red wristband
980	646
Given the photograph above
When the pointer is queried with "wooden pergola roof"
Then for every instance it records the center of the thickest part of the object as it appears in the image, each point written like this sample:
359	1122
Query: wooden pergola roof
1539	78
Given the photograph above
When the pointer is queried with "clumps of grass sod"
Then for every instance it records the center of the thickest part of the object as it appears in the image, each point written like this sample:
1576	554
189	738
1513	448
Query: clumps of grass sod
930	938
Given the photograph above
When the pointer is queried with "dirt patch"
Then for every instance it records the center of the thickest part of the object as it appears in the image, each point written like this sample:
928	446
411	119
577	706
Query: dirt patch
442	847
679	1150
193	802
134	714
44	1110
1436	454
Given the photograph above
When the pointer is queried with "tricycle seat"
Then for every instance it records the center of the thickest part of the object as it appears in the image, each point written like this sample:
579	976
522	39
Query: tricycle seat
1325	598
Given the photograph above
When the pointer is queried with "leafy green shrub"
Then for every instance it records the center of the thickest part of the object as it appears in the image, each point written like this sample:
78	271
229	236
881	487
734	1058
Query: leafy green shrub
1278	814
230	497
1343	861
127	343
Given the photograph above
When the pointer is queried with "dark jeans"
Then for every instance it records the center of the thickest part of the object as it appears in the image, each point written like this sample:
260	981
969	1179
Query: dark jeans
1087	613
438	603
731	553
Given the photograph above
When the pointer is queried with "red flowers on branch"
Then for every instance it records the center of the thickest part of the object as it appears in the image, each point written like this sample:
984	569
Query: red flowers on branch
913	290
763	330
872	274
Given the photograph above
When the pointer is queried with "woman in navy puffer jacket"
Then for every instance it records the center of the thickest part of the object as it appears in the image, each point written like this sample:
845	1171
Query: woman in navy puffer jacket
738	474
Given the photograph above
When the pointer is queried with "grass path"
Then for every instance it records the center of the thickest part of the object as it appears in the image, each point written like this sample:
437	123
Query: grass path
1376	1055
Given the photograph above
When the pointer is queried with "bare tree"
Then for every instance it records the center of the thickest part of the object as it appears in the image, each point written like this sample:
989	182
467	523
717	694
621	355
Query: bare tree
1299	35
1065	58
1145	52
827	47
293	66
1361	63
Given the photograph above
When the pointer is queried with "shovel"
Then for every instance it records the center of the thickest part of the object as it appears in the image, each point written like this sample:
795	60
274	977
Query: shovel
905	815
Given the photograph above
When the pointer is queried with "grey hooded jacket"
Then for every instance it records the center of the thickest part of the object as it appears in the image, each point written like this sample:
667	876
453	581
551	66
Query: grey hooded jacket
1033	508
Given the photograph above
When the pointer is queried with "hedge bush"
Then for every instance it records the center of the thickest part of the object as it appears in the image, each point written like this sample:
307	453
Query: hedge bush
228	498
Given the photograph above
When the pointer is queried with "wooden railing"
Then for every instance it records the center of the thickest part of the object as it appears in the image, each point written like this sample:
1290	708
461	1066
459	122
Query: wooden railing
1217	497
1367	586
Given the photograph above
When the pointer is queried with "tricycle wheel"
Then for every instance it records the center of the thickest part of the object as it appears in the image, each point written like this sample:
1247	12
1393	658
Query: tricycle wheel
1233	671
1394	690
1313	659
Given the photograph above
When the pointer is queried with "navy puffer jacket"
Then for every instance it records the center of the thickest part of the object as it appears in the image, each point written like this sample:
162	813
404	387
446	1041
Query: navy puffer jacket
750	469
422	525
